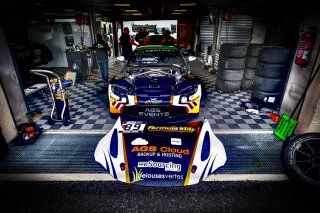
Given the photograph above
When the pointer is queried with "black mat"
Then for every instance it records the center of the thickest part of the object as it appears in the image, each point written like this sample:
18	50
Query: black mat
74	153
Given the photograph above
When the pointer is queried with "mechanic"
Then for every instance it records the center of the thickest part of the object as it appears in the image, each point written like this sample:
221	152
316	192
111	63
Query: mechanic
103	51
167	39
126	43
139	37
155	31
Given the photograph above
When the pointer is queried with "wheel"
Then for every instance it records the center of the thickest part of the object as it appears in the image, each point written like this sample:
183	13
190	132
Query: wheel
232	63
246	84
50	121
227	86
230	75
236	50
300	158
275	55
268	84
66	120
266	70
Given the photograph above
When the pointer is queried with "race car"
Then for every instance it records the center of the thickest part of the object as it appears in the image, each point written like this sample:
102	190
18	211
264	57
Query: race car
155	82
160	154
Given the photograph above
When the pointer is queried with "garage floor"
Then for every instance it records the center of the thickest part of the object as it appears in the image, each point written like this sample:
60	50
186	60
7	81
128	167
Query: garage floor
89	108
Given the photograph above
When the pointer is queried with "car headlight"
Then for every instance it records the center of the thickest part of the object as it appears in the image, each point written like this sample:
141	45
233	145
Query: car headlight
187	92
119	90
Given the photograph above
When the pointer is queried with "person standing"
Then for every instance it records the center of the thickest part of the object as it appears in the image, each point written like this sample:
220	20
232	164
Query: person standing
139	37
126	43
167	39
103	51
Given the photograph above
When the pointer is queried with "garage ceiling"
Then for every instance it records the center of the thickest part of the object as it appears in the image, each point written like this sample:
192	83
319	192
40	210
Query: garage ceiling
135	10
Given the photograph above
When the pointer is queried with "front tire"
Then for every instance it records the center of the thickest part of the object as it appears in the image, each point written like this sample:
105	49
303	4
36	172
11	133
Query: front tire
300	157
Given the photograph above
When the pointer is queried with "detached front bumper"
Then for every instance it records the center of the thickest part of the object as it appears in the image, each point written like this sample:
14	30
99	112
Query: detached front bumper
160	154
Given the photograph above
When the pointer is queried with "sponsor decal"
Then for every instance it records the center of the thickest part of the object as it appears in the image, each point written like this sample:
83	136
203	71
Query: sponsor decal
136	175
153	112
153	101
171	167
146	154
133	127
144	149
176	141
171	155
139	141
186	129
161	176
163	149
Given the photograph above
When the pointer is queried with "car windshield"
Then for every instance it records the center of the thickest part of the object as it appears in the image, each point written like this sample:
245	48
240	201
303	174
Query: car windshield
156	57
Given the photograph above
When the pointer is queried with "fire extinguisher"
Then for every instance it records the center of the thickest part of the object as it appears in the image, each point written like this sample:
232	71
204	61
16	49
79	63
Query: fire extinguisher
304	48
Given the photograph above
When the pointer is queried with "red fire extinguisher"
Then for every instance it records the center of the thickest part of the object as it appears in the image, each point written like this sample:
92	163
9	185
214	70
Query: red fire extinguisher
304	48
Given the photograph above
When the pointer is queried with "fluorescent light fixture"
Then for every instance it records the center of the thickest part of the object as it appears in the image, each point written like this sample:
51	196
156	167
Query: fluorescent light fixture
188	4
68	10
122	5
180	10
131	11
176	13
136	14
63	20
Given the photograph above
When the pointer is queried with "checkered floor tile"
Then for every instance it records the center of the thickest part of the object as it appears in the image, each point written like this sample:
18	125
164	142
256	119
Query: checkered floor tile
89	107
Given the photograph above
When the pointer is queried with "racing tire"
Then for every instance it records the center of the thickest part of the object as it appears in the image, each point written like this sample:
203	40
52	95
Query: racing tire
246	84
300	158
275	55
251	62
254	49
227	86
268	84
249	73
231	63
236	50
272	70
268	99
230	75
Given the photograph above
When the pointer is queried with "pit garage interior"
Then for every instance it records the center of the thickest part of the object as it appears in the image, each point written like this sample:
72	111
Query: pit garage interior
35	35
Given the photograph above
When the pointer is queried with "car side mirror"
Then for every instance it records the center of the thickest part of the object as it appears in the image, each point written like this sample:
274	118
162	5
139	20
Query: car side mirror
121	58
192	58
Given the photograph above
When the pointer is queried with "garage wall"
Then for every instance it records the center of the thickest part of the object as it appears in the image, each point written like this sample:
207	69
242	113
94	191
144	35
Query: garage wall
206	33
238	30
53	35
11	83
298	80
6	119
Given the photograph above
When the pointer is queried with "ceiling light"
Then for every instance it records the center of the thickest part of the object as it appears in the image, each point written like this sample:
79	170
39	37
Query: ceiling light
188	4
131	11
122	5
180	10
136	14
176	13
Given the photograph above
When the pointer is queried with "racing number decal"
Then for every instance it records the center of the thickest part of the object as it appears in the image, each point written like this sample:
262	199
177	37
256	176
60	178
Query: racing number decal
133	126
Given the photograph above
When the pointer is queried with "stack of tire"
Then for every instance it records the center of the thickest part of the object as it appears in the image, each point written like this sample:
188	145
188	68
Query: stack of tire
231	66
270	77
251	65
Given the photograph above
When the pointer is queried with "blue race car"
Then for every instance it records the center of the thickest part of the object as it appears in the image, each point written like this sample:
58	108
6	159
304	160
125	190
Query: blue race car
156	82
